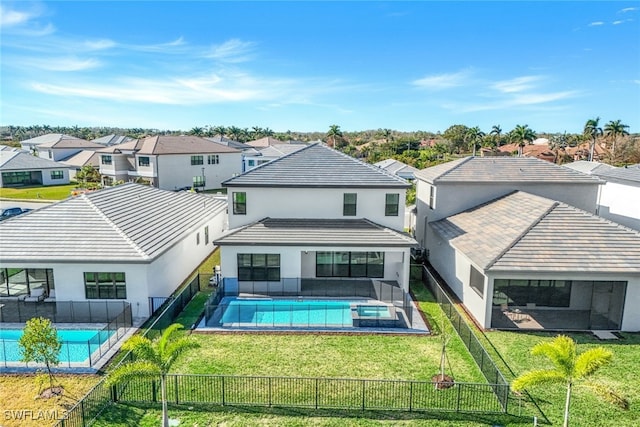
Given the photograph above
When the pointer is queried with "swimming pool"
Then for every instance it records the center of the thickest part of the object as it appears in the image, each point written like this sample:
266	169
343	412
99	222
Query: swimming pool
77	344
285	312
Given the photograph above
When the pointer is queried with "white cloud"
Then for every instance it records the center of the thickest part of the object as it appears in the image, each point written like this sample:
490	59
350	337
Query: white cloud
596	24
617	22
628	9
13	17
60	63
443	81
233	50
518	84
100	44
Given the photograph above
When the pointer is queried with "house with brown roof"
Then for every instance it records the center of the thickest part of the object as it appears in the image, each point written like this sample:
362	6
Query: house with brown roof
171	162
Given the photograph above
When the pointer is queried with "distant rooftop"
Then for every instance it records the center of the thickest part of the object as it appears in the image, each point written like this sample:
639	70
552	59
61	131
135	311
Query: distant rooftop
126	223
523	232
396	167
20	160
229	142
317	165
278	150
83	158
48	139
168	144
502	169
264	142
70	143
316	232
586	166
112	139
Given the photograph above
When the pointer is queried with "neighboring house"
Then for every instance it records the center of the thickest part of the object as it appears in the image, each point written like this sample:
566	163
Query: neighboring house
522	261
619	198
539	150
247	150
171	162
265	155
314	214
32	144
65	148
128	243
19	168
264	142
453	187
398	168
112	139
80	160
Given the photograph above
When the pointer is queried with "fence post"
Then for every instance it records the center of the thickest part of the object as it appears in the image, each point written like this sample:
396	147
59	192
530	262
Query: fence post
153	391
363	393
316	393
114	393
175	384
410	396
269	391
458	402
223	400
82	413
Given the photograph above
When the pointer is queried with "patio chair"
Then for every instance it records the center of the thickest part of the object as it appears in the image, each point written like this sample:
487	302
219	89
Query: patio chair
51	297
37	295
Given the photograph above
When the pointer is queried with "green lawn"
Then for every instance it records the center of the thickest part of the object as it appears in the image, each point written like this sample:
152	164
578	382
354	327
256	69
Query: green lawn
52	192
586	410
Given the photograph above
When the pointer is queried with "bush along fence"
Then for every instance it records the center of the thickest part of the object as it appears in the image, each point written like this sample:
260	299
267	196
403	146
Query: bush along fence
488	368
314	393
85	412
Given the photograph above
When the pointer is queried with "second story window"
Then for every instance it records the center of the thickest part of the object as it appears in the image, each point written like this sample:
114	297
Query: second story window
391	204
213	159
106	160
197	160
239	203
349	204
143	161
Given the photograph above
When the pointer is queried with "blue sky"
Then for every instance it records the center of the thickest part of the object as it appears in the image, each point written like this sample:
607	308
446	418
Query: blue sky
303	66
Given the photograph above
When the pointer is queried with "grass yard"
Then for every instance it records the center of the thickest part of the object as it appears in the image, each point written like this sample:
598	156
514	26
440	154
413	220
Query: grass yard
19	394
623	374
52	192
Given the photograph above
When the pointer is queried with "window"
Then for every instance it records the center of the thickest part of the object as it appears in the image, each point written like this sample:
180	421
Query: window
50	154
350	264
544	293
349	204
251	162
476	281
198	238
197	160
143	161
22	281
391	204
20	178
259	267
106	160
432	197
105	286
206	235
57	174
240	203
198	181
213	159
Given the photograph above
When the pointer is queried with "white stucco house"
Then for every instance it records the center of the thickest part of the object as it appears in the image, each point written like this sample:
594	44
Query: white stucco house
126	243
619	198
19	168
171	162
65	148
519	242
32	144
259	156
315	215
397	167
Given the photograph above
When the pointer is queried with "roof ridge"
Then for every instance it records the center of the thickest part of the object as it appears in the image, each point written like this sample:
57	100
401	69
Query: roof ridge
554	205
118	230
269	162
462	162
387	229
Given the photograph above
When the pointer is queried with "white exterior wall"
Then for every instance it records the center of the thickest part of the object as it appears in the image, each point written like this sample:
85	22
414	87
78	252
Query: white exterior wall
46	177
319	203
295	263
118	169
175	170
148	172
57	154
620	203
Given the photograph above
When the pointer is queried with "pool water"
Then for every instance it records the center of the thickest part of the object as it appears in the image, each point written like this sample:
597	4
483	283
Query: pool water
77	345
374	311
286	312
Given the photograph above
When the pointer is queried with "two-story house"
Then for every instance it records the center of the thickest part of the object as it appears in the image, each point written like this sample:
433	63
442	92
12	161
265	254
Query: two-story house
171	162
315	217
518	241
264	155
65	148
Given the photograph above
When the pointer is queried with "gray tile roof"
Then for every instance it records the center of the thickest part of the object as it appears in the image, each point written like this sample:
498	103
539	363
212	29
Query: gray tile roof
316	232
48	138
229	142
112	139
317	166
396	167
278	150
20	160
626	174
127	223
70	143
167	144
586	166
82	158
502	169
523	232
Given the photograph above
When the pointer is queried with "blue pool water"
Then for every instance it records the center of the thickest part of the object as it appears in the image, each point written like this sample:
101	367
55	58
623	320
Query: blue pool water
286	312
77	345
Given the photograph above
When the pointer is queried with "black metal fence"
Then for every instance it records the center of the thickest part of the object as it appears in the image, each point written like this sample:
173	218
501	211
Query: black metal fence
62	311
100	396
478	352
316	393
313	313
76	352
183	297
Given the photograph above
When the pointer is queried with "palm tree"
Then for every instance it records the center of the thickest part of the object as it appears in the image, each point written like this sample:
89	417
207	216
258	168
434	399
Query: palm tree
219	130
197	131
334	132
386	134
592	130
569	369
522	135
473	137
153	359
496	131
613	130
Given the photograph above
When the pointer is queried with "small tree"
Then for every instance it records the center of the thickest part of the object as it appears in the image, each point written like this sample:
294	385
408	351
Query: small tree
40	343
153	359
88	176
569	369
